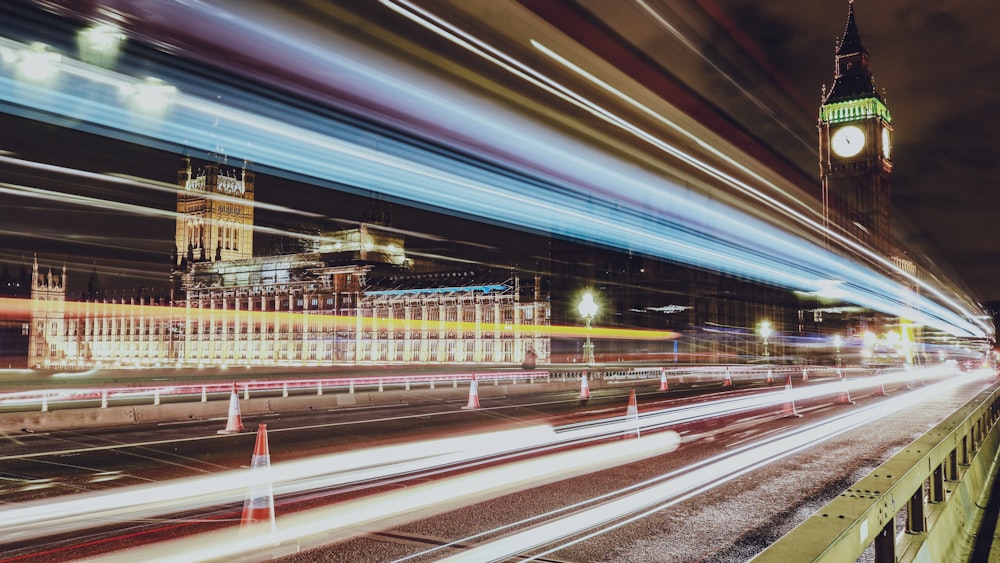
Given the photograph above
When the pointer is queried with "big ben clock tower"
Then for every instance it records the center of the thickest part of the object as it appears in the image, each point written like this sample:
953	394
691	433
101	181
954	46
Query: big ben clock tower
855	140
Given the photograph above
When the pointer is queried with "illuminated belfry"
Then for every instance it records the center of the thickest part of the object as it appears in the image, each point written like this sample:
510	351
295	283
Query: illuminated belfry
215	214
855	139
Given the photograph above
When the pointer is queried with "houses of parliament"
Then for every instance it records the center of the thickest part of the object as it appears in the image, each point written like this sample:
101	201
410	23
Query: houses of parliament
352	297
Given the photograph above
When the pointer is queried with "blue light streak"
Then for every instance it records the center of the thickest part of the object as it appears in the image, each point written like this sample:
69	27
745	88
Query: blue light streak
590	196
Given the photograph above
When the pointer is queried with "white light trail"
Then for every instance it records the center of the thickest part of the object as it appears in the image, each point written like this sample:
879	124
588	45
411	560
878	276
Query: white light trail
25	521
607	516
341	521
808	220
35	519
646	213
355	517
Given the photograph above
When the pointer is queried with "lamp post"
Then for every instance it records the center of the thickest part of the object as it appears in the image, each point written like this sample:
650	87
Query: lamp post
588	309
765	331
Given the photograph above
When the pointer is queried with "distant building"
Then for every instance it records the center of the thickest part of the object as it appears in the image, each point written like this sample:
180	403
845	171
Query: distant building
354	298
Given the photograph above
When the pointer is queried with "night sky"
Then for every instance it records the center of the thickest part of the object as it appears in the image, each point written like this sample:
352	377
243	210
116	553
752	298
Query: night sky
936	62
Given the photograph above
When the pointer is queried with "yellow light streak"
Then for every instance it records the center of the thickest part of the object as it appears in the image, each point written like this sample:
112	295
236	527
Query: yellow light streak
318	322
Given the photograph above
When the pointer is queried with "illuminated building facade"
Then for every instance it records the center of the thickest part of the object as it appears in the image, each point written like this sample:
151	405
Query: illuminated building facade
354	298
48	323
215	210
855	147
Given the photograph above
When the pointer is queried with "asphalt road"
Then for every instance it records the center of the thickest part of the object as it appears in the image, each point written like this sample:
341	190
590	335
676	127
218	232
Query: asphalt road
729	522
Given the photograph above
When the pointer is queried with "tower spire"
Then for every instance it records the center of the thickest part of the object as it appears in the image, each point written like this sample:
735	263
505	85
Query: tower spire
851	42
853	70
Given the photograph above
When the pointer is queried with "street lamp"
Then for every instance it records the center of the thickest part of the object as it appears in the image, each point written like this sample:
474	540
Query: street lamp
836	344
588	309
765	331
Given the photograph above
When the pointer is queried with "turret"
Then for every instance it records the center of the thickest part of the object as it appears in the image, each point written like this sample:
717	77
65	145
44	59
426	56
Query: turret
248	177
184	171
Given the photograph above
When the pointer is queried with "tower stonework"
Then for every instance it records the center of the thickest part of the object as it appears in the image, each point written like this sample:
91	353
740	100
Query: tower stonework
855	140
47	331
214	214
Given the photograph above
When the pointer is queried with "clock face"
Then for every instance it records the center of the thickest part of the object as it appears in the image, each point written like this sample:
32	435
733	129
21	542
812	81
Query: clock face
885	142
848	141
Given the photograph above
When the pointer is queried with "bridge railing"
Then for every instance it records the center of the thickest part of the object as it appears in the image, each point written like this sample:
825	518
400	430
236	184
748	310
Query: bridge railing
935	484
66	397
154	394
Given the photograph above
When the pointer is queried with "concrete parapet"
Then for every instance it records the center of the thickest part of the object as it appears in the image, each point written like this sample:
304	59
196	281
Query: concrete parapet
75	418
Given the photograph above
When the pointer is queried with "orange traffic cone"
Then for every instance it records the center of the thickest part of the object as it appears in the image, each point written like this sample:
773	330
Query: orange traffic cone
805	375
770	377
473	394
728	382
632	414
584	387
845	395
259	506
235	423
663	380
633	407
788	410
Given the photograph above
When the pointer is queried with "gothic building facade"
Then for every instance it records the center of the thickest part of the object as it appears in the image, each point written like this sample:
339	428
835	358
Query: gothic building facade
855	148
353	298
855	165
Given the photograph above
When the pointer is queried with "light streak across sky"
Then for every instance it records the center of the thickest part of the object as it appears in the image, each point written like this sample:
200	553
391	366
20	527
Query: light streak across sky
643	212
808	218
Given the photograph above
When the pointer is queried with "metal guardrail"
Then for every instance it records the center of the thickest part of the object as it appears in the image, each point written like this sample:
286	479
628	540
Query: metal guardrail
937	480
